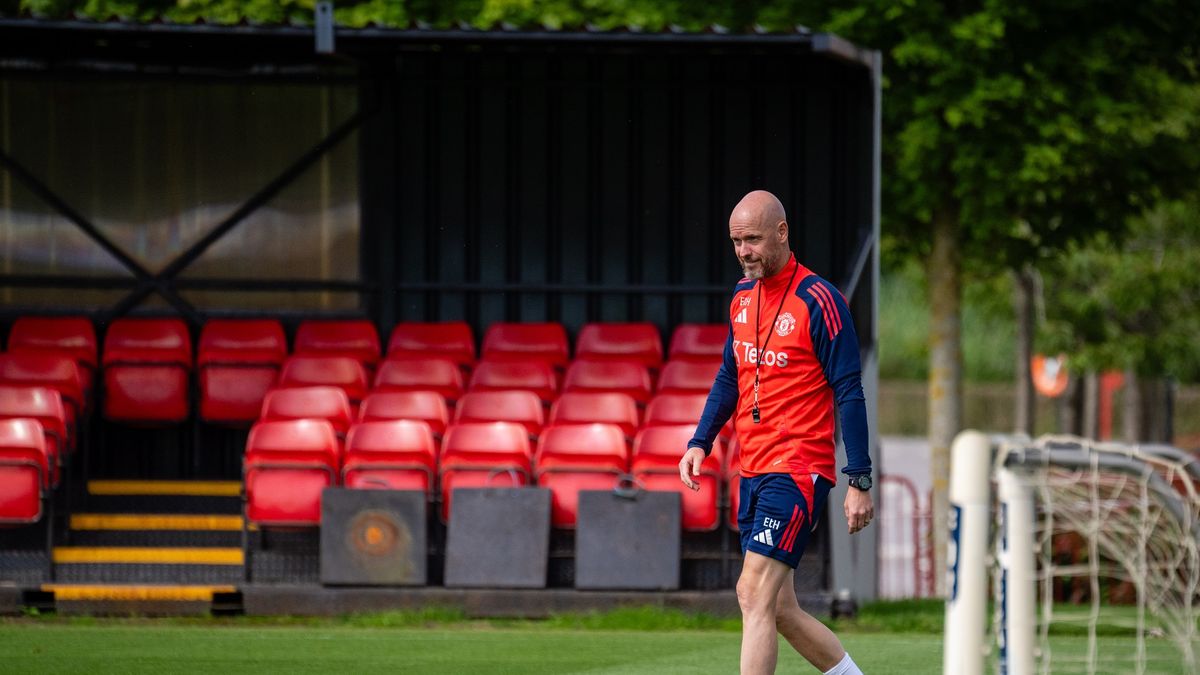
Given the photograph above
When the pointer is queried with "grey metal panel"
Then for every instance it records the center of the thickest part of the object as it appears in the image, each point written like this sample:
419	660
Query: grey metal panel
628	542
498	538
373	537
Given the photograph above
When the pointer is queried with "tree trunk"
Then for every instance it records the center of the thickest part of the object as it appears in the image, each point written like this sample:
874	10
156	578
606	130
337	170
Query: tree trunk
1131	410
1091	405
1025	414
945	372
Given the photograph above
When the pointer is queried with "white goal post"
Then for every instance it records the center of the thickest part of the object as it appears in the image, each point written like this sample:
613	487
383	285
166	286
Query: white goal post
1029	518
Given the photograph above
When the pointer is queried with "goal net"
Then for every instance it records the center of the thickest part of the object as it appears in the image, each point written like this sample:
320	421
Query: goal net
1089	550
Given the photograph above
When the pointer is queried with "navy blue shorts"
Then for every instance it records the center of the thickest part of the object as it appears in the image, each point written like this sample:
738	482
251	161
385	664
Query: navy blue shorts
777	512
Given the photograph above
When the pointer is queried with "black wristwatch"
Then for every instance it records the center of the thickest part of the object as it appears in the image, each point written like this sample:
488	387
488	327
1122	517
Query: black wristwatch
862	482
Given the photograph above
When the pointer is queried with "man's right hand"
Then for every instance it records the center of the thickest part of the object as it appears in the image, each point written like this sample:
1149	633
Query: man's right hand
689	466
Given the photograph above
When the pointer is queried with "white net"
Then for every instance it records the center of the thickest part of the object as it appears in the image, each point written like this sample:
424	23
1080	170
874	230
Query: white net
1117	566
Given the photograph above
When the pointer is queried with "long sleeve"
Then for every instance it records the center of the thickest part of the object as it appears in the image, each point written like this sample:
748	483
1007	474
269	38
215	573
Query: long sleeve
722	400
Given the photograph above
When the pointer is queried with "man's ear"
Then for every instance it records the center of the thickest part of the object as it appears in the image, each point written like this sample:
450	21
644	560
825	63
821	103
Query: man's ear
782	230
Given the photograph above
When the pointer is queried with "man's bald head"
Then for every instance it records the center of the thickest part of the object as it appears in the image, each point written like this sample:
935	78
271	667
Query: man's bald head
759	231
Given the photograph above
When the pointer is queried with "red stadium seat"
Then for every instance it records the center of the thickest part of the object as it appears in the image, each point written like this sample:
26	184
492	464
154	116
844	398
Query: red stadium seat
638	342
317	402
436	374
699	342
672	409
287	465
146	367
44	369
392	455
356	339
519	407
733	477
336	371
656	454
420	406
546	342
579	457
533	376
72	336
450	339
238	362
590	408
45	406
621	377
688	377
495	454
24	471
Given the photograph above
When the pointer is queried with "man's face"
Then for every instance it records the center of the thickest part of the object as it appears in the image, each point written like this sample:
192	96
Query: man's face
761	249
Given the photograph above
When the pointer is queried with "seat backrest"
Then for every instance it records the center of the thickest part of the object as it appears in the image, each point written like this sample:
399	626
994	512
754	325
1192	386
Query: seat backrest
698	342
72	335
486	444
432	373
450	339
151	341
242	341
590	407
337	371
23	440
609	376
354	338
315	402
638	342
309	441
394	440
583	446
669	409
688	377
664	445
533	376
425	406
44	369
39	403
545	342
520	407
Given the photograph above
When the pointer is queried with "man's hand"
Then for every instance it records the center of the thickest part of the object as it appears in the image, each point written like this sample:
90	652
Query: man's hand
689	466
859	509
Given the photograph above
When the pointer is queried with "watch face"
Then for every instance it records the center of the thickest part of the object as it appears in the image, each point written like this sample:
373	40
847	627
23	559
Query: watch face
861	482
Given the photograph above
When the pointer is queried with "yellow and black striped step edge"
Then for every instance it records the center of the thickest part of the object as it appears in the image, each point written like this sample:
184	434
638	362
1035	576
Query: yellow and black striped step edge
133	593
155	521
178	488
147	555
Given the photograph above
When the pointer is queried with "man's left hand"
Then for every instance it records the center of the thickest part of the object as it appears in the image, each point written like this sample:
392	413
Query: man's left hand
859	509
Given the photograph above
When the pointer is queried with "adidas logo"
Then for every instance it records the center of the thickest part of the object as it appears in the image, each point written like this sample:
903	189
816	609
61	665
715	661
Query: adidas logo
765	537
741	316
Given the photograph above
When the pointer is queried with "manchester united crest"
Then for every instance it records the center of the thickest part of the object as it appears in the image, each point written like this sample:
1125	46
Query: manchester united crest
785	324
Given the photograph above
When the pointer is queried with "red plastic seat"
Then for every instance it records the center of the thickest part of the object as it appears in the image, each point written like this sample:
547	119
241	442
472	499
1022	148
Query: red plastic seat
546	342
436	374
532	376
621	377
672	409
390	455
356	339
24	470
45	406
590	408
238	362
656	454
638	342
688	377
49	370
449	339
72	336
146	367
287	465
579	457
335	371
699	342
318	402
519	407
421	406
492	454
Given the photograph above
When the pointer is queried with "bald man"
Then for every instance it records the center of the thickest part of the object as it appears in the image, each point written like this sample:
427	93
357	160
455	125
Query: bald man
791	354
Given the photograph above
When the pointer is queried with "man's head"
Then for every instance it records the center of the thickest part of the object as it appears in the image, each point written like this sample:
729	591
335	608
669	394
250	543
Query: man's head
759	231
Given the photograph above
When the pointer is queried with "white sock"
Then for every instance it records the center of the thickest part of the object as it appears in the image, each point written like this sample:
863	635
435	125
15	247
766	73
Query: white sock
845	667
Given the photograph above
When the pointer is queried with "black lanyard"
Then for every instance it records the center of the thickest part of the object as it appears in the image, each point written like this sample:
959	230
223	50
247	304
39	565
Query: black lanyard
758	357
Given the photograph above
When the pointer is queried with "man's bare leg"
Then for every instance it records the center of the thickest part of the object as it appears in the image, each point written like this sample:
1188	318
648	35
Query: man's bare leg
758	591
810	637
